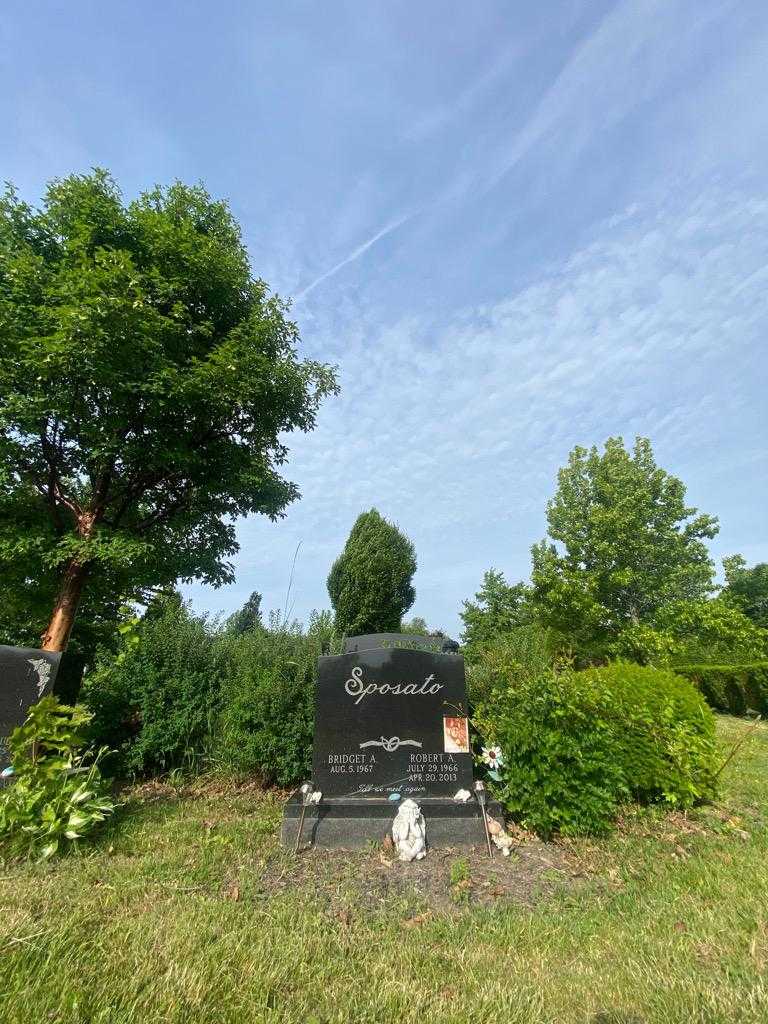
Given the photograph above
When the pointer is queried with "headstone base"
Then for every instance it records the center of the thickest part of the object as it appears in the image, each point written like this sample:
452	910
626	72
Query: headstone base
346	823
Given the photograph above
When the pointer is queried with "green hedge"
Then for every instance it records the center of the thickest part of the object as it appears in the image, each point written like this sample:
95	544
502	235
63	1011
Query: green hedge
574	746
736	689
155	704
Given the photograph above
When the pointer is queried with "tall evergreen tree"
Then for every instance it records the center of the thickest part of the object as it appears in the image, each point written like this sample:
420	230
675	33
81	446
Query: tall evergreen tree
247	618
370	583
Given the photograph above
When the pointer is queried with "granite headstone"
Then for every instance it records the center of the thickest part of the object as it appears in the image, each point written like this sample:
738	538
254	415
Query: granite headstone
391	723
391	720
395	641
26	675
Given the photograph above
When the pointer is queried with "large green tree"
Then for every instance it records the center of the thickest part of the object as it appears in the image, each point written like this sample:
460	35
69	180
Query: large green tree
747	587
247	618
147	381
30	587
498	608
623	544
370	583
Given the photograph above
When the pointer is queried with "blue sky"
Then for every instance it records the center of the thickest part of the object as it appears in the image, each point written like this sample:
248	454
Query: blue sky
515	227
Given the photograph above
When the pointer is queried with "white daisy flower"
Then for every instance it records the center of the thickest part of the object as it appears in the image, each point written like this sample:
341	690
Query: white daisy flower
492	756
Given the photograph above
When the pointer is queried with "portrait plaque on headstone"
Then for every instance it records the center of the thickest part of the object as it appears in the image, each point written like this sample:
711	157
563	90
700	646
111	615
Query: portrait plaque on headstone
391	720
26	675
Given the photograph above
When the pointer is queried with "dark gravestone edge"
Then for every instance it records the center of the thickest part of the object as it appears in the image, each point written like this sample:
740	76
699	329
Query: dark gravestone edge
434	643
23	682
347	824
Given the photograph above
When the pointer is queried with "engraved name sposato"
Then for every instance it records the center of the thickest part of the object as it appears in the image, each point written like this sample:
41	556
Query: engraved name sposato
357	687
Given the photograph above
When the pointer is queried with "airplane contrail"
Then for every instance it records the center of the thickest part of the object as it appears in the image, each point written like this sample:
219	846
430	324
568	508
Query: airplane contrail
355	254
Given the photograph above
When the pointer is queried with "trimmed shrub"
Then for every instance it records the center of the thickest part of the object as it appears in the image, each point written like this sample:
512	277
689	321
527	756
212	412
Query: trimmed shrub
735	689
666	733
559	769
574	746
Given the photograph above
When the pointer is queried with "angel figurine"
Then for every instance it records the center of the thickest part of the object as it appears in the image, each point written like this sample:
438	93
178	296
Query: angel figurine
409	832
500	836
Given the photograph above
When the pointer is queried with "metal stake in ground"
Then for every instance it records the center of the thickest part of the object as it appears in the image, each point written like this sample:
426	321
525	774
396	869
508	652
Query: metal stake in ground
305	791
480	794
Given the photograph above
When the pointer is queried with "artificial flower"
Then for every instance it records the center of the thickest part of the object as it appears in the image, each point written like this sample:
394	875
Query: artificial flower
492	756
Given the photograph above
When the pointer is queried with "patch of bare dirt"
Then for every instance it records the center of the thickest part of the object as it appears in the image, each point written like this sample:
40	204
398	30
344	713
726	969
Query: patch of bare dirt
447	880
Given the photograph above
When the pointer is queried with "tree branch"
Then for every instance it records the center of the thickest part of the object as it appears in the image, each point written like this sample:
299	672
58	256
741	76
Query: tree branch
55	492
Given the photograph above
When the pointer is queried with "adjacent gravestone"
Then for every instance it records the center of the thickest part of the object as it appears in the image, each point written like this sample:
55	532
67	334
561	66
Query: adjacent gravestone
397	641
26	675
391	722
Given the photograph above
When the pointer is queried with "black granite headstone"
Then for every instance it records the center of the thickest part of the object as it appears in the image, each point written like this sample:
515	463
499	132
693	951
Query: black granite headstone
391	721
390	724
26	675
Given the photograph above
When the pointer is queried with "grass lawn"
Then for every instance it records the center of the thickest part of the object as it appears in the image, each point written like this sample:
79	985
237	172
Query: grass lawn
188	910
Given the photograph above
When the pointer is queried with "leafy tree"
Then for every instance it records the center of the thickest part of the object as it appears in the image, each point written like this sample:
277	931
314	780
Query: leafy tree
497	609
248	617
628	546
695	632
747	588
146	383
29	592
370	582
25	601
417	626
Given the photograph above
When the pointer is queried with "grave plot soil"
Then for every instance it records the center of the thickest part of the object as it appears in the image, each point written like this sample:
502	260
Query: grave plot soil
452	880
448	880
240	824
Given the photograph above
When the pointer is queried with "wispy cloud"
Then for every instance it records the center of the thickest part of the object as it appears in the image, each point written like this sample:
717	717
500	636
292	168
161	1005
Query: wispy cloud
629	57
354	255
581	93
455	425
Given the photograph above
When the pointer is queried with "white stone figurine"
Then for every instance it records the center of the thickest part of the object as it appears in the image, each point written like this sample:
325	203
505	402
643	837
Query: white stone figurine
500	837
462	795
409	832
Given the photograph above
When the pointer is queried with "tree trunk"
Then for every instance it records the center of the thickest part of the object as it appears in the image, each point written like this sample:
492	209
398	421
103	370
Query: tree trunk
56	637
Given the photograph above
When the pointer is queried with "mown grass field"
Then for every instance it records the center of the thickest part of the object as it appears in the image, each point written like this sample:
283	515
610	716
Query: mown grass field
187	910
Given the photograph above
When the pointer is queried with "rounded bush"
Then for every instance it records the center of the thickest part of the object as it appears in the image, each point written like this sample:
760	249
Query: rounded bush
576	745
666	733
